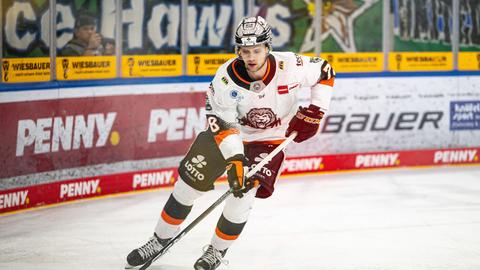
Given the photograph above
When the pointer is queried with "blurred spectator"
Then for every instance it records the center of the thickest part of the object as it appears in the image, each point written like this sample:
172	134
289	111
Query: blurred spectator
109	45
86	41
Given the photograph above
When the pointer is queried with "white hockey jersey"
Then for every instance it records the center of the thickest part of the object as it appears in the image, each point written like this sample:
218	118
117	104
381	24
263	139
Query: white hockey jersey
262	109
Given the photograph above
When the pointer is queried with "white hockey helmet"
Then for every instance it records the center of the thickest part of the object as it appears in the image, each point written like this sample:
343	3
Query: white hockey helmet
252	31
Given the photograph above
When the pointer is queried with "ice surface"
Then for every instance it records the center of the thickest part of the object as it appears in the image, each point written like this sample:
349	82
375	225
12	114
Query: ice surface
420	219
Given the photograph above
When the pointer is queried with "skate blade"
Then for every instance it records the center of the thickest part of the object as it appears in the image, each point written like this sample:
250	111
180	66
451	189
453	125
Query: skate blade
128	266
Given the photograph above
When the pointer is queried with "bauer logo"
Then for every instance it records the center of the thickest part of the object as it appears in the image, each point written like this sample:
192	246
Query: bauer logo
152	179
382	122
14	199
194	164
79	189
377	160
464	115
455	156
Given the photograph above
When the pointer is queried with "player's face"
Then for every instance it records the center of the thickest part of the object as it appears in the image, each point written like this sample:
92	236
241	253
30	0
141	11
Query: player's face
254	56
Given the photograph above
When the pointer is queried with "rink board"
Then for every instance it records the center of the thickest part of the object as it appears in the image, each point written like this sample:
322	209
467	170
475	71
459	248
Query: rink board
100	186
66	144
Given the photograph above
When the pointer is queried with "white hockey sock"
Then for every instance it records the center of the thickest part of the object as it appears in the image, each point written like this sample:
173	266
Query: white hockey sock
179	205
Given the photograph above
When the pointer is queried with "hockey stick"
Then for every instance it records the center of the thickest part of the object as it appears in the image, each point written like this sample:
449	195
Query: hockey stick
219	201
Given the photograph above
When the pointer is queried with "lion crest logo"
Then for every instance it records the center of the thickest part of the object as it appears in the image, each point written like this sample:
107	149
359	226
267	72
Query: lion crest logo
261	118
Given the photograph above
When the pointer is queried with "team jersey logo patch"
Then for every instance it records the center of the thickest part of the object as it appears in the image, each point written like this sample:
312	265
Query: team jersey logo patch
199	161
193	167
261	118
285	89
299	60
225	80
235	95
212	90
257	86
208	106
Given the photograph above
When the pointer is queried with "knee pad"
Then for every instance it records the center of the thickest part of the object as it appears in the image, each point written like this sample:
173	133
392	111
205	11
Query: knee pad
184	193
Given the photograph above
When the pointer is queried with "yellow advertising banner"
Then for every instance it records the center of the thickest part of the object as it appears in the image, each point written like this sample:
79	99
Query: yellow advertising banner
86	67
206	64
420	61
16	70
469	61
134	66
355	62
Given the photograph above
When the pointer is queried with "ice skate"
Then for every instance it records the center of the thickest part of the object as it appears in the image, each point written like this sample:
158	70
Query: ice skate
141	255
211	259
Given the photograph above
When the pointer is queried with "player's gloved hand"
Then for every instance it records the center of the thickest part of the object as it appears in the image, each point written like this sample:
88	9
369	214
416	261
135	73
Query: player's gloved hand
235	175
250	183
306	123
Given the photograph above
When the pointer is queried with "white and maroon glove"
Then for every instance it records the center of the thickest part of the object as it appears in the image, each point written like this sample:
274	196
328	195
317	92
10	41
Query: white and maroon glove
306	123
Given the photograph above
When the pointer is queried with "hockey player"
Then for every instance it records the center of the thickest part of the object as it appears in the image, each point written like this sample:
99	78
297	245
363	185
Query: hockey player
251	107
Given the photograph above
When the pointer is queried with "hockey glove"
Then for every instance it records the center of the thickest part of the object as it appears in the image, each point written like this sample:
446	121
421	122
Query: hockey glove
250	183
235	175
305	123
